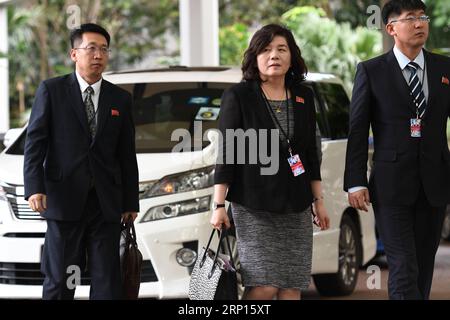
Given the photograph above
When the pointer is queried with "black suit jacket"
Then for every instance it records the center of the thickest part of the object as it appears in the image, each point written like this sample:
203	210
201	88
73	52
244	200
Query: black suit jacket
61	160
243	107
400	163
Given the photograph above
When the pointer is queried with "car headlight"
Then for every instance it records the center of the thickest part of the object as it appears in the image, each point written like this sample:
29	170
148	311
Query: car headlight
2	198
176	183
176	209
3	194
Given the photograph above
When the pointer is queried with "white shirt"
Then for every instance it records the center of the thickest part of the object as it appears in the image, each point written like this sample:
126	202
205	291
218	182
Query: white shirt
96	86
421	73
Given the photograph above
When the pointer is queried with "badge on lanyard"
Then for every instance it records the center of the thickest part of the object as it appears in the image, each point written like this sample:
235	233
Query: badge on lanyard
296	165
416	128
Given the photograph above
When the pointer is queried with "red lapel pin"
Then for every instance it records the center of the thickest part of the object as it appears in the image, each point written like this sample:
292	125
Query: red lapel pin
299	99
445	80
115	113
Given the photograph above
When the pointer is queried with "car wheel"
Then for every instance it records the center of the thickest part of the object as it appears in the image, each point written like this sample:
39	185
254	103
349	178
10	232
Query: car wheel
446	225
344	281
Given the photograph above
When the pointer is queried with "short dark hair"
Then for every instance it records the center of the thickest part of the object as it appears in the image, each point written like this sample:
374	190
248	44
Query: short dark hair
77	33
396	7
260	40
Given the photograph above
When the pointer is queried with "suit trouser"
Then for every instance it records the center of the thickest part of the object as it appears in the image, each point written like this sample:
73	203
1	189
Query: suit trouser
67	244
411	236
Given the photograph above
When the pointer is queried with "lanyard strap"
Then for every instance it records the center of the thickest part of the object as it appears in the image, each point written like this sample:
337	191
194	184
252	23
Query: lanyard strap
275	119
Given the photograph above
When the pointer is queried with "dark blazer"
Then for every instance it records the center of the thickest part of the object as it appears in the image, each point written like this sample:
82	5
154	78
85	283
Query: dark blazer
243	107
401	163
61	161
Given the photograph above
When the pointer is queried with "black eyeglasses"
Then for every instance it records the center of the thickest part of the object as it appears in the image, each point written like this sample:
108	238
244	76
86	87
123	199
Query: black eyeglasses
93	49
413	19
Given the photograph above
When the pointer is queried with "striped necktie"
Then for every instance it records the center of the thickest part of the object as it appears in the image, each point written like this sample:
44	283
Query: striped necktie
90	112
415	88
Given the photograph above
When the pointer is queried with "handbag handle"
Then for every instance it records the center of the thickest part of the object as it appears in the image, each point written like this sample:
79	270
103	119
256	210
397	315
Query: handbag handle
207	247
225	236
222	235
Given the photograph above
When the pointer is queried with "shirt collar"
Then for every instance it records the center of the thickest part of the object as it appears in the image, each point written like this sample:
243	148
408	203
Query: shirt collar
83	84
404	60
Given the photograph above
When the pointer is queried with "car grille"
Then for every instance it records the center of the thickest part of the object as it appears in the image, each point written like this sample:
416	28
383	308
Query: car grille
15	195
30	274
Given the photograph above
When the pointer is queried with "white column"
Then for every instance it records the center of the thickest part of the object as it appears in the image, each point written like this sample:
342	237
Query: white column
4	84
199	32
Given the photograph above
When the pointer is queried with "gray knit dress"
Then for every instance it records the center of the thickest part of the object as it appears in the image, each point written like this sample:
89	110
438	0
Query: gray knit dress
275	249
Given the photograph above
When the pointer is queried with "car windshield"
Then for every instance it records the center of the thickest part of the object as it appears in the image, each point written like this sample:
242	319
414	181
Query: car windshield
168	115
174	116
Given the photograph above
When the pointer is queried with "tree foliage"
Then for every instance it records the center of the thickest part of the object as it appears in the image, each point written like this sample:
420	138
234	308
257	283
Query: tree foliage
328	46
39	36
251	12
351	11
233	42
333	35
439	11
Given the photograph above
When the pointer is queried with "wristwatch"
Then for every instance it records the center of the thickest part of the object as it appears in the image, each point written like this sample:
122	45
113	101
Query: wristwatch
218	205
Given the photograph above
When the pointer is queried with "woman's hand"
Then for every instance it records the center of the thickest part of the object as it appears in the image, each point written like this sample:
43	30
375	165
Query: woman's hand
220	217
321	214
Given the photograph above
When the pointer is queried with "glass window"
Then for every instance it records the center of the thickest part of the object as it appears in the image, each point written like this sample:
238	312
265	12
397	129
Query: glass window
336	108
18	147
161	109
320	127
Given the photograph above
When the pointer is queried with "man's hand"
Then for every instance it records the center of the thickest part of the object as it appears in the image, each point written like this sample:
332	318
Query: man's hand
38	202
129	216
359	199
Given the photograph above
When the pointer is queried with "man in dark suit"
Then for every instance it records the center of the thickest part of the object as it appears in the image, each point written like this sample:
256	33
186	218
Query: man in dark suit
81	171
405	96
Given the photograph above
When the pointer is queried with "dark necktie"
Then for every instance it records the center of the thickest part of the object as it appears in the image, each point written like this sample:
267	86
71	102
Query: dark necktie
415	88
90	111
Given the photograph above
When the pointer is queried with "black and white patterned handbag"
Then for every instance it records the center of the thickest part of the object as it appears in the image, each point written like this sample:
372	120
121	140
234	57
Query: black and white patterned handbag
214	274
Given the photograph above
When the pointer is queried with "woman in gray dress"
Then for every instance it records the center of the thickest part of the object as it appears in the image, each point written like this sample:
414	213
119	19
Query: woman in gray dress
273	203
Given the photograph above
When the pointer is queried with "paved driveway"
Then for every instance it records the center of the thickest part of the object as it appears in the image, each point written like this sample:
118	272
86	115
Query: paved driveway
439	291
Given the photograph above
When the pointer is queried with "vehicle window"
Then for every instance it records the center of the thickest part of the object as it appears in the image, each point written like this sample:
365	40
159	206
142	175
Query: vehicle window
192	107
319	116
161	108
157	114
320	122
336	107
18	147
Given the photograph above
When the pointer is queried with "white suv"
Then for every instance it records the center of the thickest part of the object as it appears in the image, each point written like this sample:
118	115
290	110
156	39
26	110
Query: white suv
174	107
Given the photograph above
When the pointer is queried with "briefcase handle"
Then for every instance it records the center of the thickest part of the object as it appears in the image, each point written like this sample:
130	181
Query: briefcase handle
130	233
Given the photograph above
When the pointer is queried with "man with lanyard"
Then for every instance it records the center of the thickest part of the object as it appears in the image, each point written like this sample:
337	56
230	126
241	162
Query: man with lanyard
404	95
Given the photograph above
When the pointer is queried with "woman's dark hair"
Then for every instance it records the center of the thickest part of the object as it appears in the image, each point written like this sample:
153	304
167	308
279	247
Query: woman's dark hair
396	7
260	40
77	33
